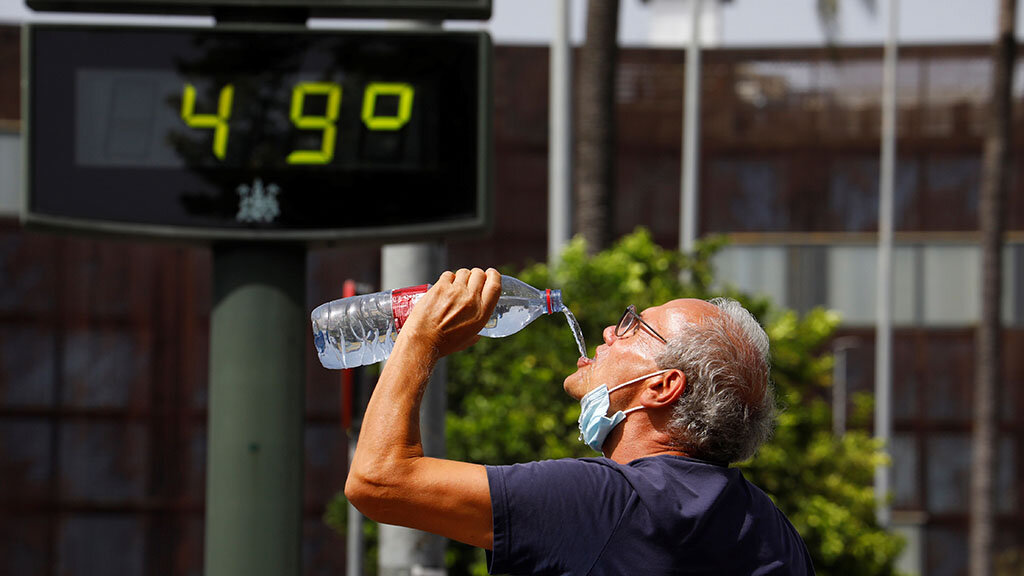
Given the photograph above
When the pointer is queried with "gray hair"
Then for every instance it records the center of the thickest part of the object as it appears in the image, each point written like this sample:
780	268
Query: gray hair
728	407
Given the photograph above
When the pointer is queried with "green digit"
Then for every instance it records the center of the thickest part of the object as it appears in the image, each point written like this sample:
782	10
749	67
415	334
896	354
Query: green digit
325	122
405	93
218	122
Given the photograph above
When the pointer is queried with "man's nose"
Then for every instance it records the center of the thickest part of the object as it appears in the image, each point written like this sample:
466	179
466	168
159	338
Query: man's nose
608	334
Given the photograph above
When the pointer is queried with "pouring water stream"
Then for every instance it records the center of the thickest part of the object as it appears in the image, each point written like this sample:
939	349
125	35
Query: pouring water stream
577	332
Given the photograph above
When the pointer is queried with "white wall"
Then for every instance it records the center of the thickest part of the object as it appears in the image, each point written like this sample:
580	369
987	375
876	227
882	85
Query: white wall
934	285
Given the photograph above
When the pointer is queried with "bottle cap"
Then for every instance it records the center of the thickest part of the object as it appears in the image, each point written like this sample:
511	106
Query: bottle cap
554	300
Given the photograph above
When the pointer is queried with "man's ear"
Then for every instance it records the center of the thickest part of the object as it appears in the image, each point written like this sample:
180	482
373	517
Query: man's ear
665	390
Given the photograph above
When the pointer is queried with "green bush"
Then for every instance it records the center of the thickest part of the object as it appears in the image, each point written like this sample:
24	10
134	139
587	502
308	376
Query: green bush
506	402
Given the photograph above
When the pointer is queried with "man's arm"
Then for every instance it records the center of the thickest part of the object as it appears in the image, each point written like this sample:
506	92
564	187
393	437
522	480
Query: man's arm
390	481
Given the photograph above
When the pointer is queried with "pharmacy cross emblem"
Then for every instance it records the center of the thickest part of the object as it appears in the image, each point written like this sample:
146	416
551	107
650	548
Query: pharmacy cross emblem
258	203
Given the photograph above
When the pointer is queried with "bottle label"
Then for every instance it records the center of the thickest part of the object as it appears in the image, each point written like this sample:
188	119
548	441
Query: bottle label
402	301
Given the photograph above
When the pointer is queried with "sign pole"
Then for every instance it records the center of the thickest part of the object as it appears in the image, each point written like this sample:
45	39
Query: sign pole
258	345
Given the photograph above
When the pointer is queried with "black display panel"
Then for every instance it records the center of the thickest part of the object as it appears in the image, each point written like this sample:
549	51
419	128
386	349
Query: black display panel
399	9
294	134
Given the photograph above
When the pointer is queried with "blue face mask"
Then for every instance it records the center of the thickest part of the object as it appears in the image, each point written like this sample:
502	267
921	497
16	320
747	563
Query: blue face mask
595	425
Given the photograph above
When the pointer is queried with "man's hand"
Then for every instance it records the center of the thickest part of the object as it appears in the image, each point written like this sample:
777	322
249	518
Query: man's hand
450	316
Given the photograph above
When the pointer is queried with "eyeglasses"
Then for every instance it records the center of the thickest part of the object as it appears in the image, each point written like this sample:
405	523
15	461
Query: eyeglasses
629	322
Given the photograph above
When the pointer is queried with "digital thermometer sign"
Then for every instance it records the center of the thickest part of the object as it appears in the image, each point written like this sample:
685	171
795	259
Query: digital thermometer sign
258	134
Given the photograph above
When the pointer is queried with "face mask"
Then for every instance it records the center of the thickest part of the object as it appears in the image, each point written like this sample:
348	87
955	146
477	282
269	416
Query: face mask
595	425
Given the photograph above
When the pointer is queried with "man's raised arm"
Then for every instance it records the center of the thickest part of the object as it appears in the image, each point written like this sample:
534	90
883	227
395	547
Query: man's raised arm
390	481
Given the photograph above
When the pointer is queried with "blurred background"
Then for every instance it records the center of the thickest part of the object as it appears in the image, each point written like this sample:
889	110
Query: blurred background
104	343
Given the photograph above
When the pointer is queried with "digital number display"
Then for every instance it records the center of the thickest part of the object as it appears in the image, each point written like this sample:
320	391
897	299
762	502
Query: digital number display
117	111
230	133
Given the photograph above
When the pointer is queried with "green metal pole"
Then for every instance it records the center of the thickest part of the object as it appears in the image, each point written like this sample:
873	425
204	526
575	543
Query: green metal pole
258	340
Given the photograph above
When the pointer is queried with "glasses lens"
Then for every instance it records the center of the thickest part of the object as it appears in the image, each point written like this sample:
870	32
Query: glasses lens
626	322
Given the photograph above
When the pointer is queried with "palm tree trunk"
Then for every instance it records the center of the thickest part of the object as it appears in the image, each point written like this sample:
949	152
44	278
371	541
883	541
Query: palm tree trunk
994	182
595	136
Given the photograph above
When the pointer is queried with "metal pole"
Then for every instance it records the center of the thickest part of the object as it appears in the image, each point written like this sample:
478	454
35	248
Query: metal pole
839	393
354	548
259	340
691	133
560	135
403	551
883	340
840	347
353	527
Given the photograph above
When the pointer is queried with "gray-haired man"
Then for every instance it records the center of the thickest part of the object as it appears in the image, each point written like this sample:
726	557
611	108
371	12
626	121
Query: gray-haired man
672	397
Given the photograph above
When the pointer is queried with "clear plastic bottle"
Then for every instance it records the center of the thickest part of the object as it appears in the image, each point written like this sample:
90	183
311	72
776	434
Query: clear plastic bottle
361	330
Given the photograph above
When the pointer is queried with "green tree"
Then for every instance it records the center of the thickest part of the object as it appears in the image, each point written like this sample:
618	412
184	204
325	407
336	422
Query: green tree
506	402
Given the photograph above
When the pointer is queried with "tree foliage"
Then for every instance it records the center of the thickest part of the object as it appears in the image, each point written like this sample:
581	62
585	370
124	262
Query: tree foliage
506	402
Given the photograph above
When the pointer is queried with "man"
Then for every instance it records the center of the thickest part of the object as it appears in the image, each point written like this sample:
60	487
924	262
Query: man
672	396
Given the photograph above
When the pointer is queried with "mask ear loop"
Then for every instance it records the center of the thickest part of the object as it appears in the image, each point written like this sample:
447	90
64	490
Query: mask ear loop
635	380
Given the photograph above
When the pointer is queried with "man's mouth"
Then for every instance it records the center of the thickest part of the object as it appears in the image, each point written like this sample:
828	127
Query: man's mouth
584	361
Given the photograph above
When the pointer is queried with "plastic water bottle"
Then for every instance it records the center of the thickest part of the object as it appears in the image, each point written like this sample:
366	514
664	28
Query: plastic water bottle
361	330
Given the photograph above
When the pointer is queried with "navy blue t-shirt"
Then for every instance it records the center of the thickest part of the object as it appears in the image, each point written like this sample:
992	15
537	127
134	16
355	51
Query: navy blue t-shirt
656	515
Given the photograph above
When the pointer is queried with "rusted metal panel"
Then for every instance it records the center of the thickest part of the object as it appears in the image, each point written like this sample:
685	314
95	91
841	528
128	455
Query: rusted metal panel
103	370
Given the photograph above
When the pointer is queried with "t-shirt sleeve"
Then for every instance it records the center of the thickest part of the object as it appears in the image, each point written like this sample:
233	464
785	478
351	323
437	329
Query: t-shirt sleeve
553	516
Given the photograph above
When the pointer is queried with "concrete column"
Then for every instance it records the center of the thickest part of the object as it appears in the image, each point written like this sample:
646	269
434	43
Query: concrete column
403	551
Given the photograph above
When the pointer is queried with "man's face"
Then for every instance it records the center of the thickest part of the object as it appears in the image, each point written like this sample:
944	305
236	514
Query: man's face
619	360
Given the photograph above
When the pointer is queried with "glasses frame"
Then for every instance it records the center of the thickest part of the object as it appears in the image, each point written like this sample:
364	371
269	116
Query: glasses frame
629	322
